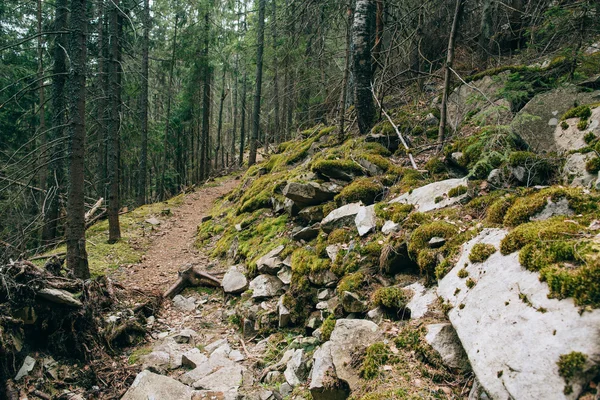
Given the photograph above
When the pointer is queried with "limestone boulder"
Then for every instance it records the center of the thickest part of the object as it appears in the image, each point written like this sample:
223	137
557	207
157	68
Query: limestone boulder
340	217
324	381
421	300
443	339
424	198
148	385
264	286
234	281
572	138
574	172
365	220
513	345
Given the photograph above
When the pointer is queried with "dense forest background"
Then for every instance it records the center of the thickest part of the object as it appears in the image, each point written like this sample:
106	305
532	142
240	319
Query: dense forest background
134	101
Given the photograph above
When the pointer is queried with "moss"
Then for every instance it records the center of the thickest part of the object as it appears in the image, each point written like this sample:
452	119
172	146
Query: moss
327	167
435	166
537	255
552	229
362	189
536	165
393	298
462	273
564	125
417	219
396	212
458	191
340	235
305	261
427	260
582	284
582	125
593	165
421	236
498	209
589	138
135	356
481	252
442	269
526	207
351	282
569	366
583	112
470	283
376	356
327	327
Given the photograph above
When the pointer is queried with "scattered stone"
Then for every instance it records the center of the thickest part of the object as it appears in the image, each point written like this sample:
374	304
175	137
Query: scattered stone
153	221
26	368
456	159
352	303
157	361
206	218
421	300
493	318
290	207
183	303
59	296
148	385
365	220
238	227
265	286
443	339
332	251
193	358
324	382
236	355
324	294
234	281
311	214
314	320
209	348
574	172
285	317
424	197
520	174
340	217
431	120
150	321
186	336
436	242
552	209
307	194
373	169
307	233
323	278
273	377
285	390
225	379
390	227
375	315
270	263
285	275
495	177
391	142
295	372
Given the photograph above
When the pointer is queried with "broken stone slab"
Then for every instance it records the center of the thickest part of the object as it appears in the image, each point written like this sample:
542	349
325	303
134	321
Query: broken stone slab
324	382
390	142
308	194
306	233
323	278
423	198
491	317
365	220
352	303
153	221
295	372
375	315
193	358
26	368
264	286
436	242
270	263
215	395
209	348
324	294
340	217
148	385
290	207
285	275
311	214
184	303
421	300
373	169
59	296
332	251
390	227
234	281
552	209
285	317
156	361
223	379
443	339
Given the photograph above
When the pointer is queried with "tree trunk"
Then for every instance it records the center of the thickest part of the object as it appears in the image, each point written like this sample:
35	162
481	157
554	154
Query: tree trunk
206	98
486	30
141	199
363	35
168	118
258	89
243	118
447	72
114	127
75	234
234	79
43	159
220	125
56	166
344	91
276	129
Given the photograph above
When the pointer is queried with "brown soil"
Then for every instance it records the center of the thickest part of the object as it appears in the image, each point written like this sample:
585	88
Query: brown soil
173	244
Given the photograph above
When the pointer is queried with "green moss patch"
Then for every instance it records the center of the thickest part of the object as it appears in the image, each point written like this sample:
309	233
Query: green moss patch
329	167
396	212
569	366
392	298
583	112
593	165
552	229
481	252
376	356
458	191
362	189
351	282
327	327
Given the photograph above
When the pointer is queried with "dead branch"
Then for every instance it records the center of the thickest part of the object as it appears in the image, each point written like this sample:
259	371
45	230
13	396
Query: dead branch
93	210
190	276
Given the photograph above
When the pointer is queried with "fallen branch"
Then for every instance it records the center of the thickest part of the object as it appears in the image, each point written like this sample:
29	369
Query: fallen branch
43	257
94	208
190	276
410	156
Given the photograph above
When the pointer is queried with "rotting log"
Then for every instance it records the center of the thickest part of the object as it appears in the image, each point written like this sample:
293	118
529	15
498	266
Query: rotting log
191	276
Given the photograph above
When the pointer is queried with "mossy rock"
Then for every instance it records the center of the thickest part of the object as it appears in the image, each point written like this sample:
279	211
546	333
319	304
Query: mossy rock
396	212
366	190
376	356
351	282
497	211
392	298
593	165
552	229
481	252
421	236
337	169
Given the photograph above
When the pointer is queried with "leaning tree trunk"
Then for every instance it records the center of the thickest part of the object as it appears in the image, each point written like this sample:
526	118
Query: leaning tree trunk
447	72
114	229
258	89
75	235
141	199
363	35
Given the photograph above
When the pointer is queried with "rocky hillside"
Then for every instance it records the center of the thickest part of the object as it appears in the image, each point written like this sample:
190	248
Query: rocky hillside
476	275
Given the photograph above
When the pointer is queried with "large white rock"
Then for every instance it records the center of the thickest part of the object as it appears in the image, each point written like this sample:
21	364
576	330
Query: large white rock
421	300
572	138
234	281
424	197
295	371
512	347
148	385
365	220
324	382
342	216
265	286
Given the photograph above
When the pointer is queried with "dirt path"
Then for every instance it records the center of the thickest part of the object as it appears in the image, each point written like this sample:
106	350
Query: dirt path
173	245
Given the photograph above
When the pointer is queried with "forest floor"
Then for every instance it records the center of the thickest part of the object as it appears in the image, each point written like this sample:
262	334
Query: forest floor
173	244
